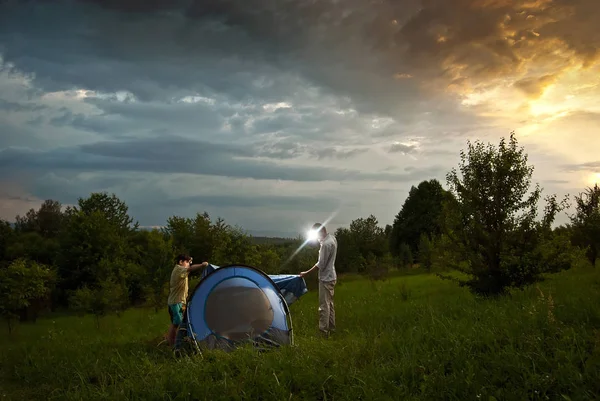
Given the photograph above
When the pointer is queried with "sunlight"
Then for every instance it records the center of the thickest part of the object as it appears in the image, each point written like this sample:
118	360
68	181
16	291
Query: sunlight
593	179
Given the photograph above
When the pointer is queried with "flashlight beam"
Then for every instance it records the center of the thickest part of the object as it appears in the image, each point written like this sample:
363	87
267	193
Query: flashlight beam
312	235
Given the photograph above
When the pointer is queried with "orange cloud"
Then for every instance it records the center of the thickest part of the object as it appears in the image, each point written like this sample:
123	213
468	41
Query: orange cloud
534	87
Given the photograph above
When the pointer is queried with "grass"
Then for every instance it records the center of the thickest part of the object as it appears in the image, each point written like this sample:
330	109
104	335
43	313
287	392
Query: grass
411	337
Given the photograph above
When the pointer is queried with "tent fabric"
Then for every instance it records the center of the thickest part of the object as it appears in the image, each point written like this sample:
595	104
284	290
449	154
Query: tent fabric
238	303
291	286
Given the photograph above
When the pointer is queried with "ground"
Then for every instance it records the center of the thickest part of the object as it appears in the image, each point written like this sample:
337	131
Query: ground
411	337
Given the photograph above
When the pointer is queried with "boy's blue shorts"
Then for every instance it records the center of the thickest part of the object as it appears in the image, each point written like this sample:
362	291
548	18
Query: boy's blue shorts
176	313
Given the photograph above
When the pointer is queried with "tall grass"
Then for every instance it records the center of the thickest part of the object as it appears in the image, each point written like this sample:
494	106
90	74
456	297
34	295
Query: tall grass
415	337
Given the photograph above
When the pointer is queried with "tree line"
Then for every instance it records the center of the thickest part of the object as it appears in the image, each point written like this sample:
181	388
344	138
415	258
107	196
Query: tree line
94	258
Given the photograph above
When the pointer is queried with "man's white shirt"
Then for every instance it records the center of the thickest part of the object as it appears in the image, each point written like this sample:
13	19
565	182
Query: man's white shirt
327	255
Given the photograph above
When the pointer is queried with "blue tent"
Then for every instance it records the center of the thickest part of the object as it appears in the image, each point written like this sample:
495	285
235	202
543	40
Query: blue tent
291	286
238	303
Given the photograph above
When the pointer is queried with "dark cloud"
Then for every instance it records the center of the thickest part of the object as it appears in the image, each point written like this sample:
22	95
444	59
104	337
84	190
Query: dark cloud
302	203
178	155
332	153
6	105
289	149
329	43
248	50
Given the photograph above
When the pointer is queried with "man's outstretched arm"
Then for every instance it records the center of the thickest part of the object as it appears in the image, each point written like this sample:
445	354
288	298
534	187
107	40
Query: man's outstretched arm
323	252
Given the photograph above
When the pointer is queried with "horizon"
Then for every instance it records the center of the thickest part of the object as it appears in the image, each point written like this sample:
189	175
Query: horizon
274	118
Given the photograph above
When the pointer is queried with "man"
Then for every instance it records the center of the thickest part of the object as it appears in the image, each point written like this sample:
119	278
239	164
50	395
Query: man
327	279
178	292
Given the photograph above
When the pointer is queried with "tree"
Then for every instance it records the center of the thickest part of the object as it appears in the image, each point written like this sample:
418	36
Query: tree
586	222
112	208
406	256
46	221
158	262
21	283
108	295
493	225
181	230
6	236
420	214
270	260
369	237
198	236
363	243
96	243
33	246
425	252
349	258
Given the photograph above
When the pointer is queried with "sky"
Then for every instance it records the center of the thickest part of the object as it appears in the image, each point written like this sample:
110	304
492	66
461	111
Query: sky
277	114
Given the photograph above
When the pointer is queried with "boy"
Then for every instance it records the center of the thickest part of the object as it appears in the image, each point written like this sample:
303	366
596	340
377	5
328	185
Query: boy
178	292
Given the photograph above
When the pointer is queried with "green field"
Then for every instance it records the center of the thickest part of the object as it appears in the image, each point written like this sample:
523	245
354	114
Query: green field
413	337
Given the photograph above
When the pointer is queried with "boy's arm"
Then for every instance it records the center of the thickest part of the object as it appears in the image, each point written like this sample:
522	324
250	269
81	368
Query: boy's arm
195	267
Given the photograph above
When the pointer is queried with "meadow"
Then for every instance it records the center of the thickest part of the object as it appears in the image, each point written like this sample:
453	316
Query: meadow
408	337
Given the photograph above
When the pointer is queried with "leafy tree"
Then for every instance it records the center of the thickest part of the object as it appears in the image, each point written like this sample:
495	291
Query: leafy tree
6	236
32	245
425	252
46	220
420	214
405	256
198	236
21	283
36	234
235	246
586	222
96	243
181	230
158	262
111	207
349	258
109	295
361	245
368	236
493	225
270	260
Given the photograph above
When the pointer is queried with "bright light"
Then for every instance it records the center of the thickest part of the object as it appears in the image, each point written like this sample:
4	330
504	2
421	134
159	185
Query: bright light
312	235
594	178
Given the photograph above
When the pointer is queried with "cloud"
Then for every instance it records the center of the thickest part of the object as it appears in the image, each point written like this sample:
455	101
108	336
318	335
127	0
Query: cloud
315	98
589	166
6	105
177	155
302	203
534	87
402	148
